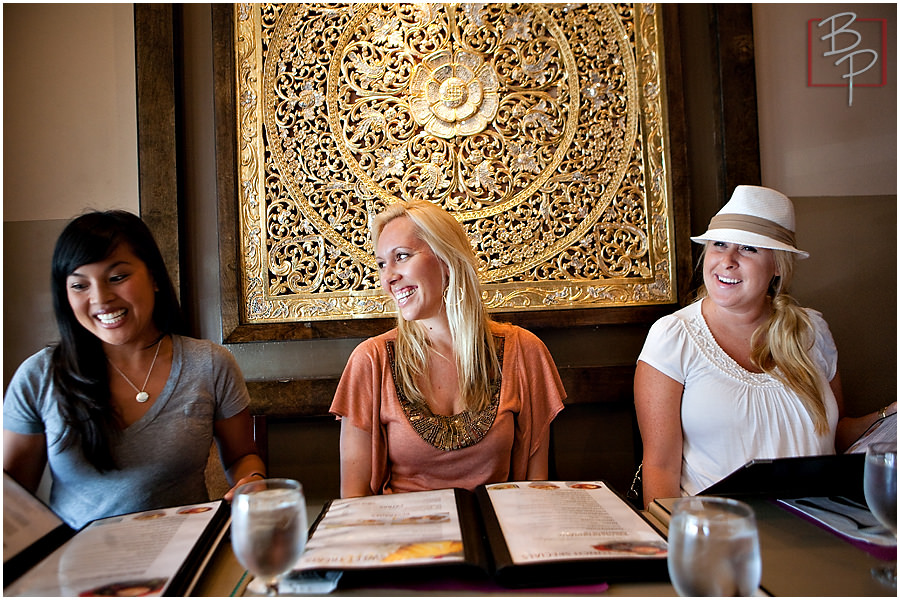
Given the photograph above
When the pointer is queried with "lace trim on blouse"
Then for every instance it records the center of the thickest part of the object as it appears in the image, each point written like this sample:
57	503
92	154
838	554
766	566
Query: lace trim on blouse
699	332
452	432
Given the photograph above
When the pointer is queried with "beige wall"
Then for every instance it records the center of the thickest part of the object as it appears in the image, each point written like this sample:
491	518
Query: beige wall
70	144
849	278
839	164
812	143
69	122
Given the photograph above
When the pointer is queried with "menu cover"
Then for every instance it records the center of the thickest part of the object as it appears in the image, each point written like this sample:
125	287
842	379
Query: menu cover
150	553
794	477
523	534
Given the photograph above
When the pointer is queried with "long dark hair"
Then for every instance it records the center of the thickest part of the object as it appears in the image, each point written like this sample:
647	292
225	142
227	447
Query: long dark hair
79	365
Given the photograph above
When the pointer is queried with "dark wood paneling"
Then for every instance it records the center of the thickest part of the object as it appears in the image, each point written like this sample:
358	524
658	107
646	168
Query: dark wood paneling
678	152
294	398
226	167
312	397
360	328
586	385
261	438
154	49
718	97
737	76
308	330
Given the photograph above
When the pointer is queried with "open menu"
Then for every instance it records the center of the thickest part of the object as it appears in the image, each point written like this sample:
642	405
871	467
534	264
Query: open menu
882	430
847	518
522	533
150	553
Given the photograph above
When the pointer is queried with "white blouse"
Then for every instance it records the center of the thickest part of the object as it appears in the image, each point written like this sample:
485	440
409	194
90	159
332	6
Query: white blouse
730	415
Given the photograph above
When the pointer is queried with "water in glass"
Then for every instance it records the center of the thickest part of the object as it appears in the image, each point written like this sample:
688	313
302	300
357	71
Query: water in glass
268	528
880	488
713	548
880	484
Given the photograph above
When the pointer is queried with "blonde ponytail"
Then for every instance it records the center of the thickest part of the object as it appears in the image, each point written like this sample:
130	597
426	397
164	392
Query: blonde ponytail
781	347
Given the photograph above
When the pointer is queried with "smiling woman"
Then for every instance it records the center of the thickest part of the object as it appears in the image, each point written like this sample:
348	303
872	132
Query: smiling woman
113	446
410	273
449	398
113	299
743	372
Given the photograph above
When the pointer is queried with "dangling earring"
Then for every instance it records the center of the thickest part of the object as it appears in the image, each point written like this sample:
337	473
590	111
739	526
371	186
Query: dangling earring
447	297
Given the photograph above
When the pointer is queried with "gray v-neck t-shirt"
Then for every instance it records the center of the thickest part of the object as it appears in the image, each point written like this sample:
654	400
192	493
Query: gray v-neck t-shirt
161	457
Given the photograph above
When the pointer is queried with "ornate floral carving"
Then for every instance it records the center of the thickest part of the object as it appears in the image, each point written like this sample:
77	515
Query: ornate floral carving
540	127
454	95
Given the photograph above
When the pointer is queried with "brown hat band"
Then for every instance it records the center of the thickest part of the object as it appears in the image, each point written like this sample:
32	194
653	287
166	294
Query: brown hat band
753	224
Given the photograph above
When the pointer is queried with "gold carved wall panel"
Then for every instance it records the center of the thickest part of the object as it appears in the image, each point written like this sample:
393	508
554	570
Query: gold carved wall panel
541	127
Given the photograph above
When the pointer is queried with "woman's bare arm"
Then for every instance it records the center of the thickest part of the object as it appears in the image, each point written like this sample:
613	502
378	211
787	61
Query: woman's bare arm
24	457
657	401
538	464
356	461
237	449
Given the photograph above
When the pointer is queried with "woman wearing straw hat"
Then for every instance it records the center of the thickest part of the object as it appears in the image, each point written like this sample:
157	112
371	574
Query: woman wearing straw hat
743	372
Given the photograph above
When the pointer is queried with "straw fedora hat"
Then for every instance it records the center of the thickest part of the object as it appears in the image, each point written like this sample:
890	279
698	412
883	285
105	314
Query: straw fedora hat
755	216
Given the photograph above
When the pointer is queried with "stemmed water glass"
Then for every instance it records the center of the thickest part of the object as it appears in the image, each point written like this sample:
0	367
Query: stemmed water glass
880	486
713	547
268	528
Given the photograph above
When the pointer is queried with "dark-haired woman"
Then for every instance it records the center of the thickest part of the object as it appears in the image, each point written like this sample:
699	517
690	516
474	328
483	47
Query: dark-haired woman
124	408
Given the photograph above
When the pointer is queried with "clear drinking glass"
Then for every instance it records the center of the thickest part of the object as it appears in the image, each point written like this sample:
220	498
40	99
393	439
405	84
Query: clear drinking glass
268	528
880	486
713	547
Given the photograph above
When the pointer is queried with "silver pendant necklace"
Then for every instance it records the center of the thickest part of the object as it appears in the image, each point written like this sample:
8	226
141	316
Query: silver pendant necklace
142	395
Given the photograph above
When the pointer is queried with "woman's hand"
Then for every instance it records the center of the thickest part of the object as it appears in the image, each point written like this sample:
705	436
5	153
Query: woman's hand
255	476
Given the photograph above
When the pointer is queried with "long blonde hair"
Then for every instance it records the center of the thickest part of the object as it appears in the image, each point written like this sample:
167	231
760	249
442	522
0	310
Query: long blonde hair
781	346
470	324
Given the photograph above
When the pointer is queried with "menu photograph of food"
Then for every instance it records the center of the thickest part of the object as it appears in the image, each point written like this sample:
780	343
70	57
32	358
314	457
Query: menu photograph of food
390	530
519	533
561	521
135	554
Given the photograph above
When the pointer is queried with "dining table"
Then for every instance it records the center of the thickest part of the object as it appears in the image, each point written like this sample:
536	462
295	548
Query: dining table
799	558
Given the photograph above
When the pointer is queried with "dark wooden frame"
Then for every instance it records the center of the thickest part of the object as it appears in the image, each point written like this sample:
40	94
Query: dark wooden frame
158	145
233	330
